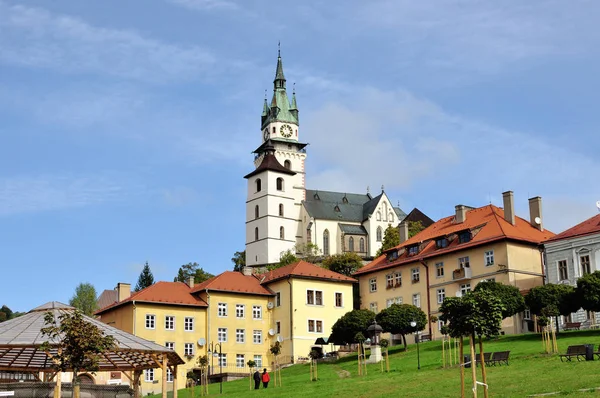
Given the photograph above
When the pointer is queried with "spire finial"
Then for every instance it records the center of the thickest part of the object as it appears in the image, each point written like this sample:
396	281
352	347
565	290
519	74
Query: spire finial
368	190
382	188
265	94
279	48
294	88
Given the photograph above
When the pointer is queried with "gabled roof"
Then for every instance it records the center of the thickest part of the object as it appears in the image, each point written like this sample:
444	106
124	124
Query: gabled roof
303	269
270	163
587	227
486	224
416	215
107	297
233	282
353	229
173	293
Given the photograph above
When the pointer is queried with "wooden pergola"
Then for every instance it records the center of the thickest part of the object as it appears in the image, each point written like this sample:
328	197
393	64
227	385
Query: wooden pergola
21	338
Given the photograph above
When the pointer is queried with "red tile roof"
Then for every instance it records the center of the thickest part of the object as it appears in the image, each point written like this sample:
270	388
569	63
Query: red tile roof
235	282
174	293
487	224
303	269
589	226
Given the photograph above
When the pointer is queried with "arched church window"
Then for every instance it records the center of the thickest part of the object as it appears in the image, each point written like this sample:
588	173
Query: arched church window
385	212
280	184
281	233
274	130
391	217
362	245
287	164
351	244
281	210
378	216
256	212
379	234
256	233
258	185
326	243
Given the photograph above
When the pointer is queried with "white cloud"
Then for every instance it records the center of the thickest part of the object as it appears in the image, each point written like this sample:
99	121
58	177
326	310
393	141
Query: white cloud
205	5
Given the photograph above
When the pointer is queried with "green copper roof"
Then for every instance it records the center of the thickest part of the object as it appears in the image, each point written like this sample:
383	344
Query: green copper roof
279	73
280	109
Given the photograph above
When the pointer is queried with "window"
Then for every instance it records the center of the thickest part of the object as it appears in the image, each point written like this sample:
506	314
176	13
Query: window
150	321
441	295
315	326
258	185
149	375
240	335
351	244
318	297
439	270
280	184
281	210
222	360
278	327
314	297
441	243
412	250
256	233
278	299
169	375
373	307
417	300
373	285
257	337
287	164
326	243
464	289
281	233
389	281
378	216
464	237
463	262
170	345
527	313
239	360
489	258
391	217
562	270
389	302
585	264
339	300
379	234
398	300
258	361
188	349
222	309
257	312
362	245
415	275
222	335
308	235
440	325
274	131
398	279
256	212
169	322
240	310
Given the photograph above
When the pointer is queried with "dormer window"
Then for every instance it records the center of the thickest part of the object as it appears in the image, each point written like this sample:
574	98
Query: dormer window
316	196
412	250
464	237
441	243
344	200
392	256
336	209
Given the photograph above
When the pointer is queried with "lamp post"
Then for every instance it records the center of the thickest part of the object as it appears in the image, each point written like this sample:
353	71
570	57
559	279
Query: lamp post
212	351
414	325
375	331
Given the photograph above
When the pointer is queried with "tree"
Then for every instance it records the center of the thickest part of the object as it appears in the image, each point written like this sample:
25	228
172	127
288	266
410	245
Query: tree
286	258
192	269
510	296
85	299
309	252
588	291
79	344
345	329
5	313
344	263
239	261
552	300
396	319
391	238
414	227
145	279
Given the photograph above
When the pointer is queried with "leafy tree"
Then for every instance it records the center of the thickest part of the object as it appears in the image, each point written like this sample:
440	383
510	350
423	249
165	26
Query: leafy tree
5	313
344	263
145	279
588	291
79	342
510	296
85	298
309	252
192	269
391	238
552	300
239	261
286	258
345	329
414	227
396	319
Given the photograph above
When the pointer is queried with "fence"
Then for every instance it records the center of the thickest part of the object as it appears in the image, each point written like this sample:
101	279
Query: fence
44	390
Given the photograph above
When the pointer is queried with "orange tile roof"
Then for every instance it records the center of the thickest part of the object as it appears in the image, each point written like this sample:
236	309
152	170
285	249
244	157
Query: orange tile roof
235	282
174	293
487	224
589	226
303	269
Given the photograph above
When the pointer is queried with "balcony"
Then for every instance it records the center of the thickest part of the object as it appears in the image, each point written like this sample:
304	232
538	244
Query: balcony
461	273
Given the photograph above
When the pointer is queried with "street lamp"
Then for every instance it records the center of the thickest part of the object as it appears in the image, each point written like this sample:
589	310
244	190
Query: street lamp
212	349
375	331
414	325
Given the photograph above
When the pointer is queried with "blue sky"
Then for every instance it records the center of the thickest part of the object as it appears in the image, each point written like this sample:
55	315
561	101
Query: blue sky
126	127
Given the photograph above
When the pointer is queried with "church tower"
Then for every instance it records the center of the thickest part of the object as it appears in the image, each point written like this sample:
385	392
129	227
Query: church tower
276	188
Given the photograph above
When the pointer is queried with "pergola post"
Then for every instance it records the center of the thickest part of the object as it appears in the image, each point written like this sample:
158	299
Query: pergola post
174	381
136	383
58	386
164	375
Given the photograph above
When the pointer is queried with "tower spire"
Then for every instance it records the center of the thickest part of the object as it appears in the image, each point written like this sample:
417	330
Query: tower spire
279	82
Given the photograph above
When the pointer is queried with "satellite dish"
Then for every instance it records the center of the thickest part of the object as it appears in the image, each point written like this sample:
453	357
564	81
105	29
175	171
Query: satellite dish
201	341
270	305
271	332
280	339
537	220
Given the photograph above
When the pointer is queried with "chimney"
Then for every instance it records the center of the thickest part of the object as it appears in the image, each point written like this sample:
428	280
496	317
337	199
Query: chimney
461	213
191	281
247	271
403	231
123	291
535	212
509	206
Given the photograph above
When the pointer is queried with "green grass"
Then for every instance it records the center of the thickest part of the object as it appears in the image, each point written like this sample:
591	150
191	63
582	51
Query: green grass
530	372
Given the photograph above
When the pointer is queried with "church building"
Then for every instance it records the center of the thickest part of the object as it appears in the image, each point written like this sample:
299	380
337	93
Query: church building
281	214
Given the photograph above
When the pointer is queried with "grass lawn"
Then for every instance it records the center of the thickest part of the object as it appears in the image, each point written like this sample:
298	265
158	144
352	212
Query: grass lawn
530	372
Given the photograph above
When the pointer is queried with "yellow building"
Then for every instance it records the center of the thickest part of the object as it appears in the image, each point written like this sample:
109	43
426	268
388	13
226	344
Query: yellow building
453	255
243	313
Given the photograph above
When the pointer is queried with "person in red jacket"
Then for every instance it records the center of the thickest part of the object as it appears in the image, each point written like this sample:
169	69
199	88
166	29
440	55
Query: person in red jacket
265	378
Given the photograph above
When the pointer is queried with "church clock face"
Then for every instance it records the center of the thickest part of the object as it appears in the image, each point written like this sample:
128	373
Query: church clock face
266	134
286	131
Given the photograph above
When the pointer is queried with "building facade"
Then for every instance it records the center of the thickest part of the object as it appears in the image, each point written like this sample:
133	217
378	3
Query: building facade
453	255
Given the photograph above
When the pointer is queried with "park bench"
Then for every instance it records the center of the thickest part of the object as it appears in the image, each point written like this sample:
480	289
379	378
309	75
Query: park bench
572	325
425	337
577	351
487	356
499	357
7	393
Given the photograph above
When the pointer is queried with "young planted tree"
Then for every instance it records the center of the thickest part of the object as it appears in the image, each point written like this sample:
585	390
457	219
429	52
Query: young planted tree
510	296
145	279
251	365
202	362
587	292
85	299
276	351
396	319
79	344
552	300
391	238
192	269
345	329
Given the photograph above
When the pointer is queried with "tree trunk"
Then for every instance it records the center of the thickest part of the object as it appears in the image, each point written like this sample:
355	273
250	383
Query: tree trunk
473	365
404	340
76	393
461	362
556	320
483	373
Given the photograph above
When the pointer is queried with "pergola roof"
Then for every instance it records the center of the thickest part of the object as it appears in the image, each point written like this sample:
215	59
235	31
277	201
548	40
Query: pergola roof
20	339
